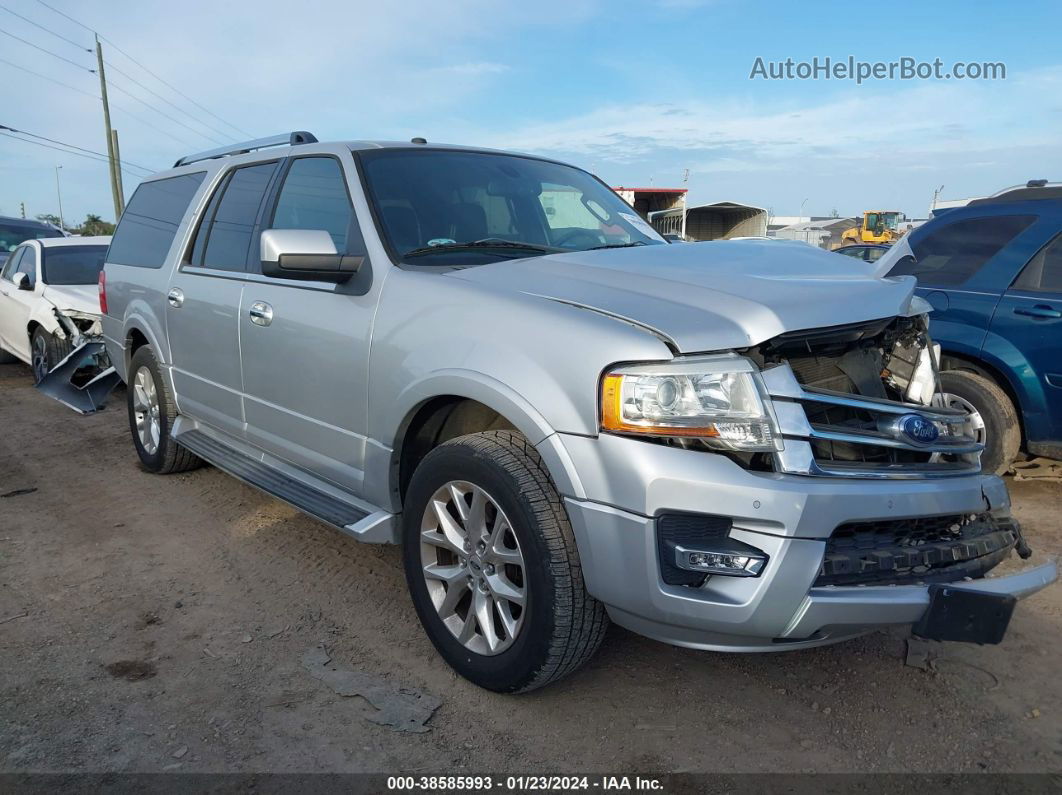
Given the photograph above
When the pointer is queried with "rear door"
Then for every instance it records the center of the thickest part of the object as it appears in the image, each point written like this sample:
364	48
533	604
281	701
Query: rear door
1028	321
13	314
203	303
304	368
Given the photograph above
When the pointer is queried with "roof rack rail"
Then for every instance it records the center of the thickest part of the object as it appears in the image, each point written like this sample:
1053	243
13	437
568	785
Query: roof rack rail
1033	189
286	139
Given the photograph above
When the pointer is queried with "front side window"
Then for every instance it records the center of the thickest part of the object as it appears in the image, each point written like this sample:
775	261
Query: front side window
314	196
948	255
149	223
437	207
224	238
12	264
1044	271
72	264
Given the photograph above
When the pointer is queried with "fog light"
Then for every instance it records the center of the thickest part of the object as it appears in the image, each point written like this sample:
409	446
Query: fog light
747	562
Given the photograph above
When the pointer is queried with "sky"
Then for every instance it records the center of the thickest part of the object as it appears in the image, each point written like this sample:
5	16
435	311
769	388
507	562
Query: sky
656	92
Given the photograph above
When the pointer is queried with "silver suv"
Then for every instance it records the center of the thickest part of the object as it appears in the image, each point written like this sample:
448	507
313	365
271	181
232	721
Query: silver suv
492	360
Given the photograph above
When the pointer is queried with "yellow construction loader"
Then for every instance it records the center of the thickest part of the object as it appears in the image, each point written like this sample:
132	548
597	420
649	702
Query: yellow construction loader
879	226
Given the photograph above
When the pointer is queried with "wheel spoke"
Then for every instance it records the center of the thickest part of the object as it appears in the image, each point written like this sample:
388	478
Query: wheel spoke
468	629
502	588
455	592
476	523
506	616
483	606
457	494
454	533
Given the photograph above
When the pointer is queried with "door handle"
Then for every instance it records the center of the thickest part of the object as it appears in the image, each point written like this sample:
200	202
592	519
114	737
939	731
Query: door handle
1040	310
175	297
261	313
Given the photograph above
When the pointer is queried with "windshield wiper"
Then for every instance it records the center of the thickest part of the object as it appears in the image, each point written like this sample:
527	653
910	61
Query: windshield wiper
476	244
618	245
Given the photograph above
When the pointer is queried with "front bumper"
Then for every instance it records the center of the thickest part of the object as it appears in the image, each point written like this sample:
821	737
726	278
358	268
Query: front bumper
616	486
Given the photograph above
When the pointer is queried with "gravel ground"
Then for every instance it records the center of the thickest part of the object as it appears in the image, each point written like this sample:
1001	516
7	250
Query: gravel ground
161	623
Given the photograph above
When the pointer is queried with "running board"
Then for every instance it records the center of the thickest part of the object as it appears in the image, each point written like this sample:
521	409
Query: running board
364	525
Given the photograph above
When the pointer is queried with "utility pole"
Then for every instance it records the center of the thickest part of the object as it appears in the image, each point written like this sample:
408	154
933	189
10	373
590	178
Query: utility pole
59	194
115	194
118	170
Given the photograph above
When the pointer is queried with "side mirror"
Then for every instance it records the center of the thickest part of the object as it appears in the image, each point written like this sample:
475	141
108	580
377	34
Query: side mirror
305	254
21	281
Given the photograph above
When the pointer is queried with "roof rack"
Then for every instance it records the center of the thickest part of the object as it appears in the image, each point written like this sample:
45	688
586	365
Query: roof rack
1033	189
286	139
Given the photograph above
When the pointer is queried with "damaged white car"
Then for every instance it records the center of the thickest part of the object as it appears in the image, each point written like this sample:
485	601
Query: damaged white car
50	317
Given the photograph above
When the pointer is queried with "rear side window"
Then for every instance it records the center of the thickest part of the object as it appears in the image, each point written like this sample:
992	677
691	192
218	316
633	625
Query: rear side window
1044	271
149	223
224	238
949	255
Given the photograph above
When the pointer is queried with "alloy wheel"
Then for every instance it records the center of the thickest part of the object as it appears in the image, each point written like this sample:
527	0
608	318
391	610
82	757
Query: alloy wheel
473	567
146	411
39	358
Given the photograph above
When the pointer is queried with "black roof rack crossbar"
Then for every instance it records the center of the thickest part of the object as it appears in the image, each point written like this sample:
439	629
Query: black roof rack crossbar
286	139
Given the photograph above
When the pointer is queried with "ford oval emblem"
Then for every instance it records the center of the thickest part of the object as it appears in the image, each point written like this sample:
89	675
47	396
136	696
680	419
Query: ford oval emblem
918	429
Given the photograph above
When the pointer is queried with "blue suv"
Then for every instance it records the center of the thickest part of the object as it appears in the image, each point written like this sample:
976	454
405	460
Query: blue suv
993	272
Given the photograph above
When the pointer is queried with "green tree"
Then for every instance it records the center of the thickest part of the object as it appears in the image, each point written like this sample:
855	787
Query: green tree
48	218
94	225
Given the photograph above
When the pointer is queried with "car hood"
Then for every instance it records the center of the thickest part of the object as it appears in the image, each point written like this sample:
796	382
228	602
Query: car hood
709	296
76	297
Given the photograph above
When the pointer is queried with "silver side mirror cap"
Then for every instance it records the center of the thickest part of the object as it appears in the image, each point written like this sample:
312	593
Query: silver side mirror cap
305	254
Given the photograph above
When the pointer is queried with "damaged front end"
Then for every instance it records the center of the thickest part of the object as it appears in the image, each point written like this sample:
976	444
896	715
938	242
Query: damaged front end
85	377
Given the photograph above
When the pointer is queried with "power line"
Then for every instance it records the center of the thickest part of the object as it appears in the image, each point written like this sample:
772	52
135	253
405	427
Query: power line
96	97
51	79
68	152
148	71
46	30
156	94
42	49
114	85
63	143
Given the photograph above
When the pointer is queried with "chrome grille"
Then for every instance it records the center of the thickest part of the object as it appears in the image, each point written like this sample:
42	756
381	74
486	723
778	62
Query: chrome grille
816	423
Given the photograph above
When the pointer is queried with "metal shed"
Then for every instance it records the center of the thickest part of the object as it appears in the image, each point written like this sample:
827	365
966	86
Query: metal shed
716	221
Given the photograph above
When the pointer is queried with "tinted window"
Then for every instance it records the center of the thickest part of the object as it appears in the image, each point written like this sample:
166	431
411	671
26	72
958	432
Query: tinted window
229	236
149	223
12	263
950	254
27	264
314	196
435	200
72	264
1044	271
12	233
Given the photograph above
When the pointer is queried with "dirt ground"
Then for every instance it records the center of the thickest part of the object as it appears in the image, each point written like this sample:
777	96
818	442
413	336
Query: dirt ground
159	623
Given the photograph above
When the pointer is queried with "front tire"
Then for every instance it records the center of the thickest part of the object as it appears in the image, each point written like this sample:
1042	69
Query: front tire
492	565
152	411
46	351
1001	432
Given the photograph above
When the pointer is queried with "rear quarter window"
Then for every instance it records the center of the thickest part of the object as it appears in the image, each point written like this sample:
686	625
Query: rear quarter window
149	223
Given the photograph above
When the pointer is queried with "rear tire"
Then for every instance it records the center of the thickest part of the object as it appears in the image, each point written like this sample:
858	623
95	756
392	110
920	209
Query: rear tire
46	351
553	625
1002	430
152	411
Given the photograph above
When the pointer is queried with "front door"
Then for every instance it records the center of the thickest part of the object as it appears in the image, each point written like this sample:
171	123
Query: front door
1028	320
15	304
203	304
306	344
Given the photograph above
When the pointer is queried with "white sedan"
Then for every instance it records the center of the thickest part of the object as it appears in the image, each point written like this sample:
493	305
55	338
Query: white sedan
49	299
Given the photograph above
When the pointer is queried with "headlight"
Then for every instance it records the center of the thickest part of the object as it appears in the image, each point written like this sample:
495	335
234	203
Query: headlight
718	399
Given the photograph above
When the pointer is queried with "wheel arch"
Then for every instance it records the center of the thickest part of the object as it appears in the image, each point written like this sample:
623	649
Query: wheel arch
453	404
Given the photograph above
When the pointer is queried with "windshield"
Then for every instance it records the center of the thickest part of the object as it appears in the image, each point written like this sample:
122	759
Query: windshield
73	264
431	204
11	234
